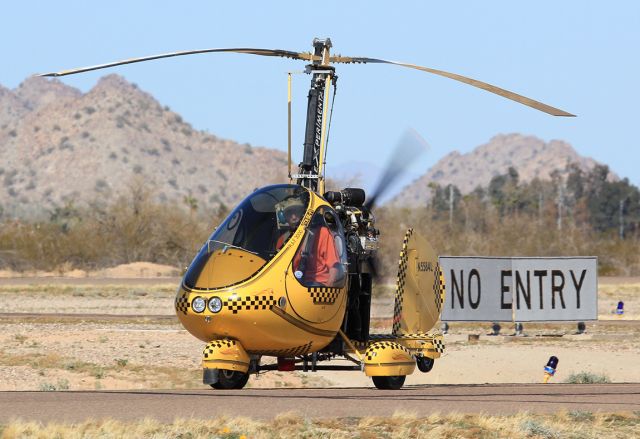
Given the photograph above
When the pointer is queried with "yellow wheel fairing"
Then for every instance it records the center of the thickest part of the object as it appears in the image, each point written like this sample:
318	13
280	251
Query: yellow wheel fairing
225	354
385	358
427	345
257	311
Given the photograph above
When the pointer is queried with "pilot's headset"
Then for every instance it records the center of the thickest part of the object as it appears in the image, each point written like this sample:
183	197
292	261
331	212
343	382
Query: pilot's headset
283	207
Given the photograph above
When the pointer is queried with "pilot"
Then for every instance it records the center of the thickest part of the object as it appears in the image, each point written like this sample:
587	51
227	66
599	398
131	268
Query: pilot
293	212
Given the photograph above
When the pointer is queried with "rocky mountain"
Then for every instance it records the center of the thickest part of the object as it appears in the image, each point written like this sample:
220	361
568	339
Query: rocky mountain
529	155
59	145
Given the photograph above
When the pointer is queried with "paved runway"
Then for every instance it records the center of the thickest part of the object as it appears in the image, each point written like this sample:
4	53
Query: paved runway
323	403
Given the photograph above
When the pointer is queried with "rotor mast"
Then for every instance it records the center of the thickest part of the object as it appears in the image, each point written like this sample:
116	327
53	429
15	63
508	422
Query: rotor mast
311	169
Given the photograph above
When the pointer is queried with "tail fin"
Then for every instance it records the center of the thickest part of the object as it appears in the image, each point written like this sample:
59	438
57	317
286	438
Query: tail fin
420	287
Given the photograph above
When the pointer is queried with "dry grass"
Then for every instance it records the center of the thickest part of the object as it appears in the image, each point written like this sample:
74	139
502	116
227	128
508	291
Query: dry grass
574	424
163	376
623	291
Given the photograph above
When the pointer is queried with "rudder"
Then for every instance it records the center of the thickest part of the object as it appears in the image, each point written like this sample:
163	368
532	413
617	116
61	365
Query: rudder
420	287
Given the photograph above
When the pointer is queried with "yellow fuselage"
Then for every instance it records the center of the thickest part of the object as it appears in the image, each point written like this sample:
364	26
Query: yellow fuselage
269	312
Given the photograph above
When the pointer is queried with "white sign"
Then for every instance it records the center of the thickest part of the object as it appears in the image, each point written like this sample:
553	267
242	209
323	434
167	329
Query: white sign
500	289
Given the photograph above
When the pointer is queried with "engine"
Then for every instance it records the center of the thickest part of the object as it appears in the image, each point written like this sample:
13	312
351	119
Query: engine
362	244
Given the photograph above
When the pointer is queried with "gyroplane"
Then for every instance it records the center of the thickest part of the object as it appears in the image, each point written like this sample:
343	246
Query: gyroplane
289	273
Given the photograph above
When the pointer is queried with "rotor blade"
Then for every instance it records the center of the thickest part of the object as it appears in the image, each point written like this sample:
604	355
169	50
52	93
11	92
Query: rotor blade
474	82
305	56
407	151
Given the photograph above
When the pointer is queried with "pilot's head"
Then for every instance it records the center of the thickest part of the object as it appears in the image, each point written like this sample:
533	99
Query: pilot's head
293	213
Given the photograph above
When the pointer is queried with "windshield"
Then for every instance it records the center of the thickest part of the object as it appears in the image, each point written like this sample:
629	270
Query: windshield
249	237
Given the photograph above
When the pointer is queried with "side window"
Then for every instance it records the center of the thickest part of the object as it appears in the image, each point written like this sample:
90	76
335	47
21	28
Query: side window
321	257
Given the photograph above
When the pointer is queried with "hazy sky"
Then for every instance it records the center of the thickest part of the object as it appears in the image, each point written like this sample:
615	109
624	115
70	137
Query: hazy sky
580	56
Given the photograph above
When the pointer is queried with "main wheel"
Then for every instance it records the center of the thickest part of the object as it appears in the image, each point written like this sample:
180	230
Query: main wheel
389	383
425	364
230	379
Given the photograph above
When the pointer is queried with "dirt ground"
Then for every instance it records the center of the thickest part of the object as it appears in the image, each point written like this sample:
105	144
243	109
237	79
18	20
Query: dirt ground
134	270
51	352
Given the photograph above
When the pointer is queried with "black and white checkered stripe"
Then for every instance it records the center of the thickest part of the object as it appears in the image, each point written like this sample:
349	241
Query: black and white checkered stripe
438	345
373	349
182	303
413	336
214	345
324	294
438	287
400	283
236	304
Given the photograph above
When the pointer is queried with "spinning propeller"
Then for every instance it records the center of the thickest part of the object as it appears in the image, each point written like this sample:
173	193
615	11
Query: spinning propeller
408	149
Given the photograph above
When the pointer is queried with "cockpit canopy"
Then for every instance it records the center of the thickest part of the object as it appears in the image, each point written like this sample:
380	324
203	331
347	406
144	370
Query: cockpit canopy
249	237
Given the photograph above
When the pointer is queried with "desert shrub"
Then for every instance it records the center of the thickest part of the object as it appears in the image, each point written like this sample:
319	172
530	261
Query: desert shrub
532	427
100	185
132	227
587	378
47	387
61	384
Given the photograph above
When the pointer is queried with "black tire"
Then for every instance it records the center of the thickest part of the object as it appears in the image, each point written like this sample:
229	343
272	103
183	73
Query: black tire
425	364
230	379
389	383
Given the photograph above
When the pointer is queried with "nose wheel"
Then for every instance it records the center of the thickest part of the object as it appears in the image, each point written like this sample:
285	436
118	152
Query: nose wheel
388	382
230	379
